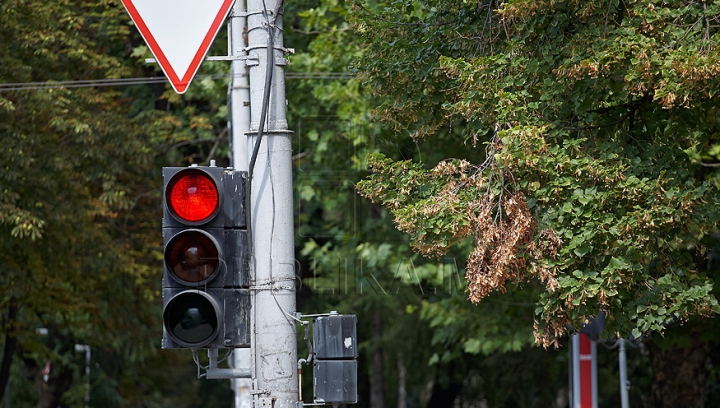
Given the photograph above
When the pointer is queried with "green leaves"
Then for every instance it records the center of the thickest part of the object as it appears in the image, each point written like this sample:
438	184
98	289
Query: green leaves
589	110
78	211
434	215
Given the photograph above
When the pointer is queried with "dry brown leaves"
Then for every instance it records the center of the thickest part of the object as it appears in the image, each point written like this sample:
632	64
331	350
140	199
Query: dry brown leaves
548	335
505	249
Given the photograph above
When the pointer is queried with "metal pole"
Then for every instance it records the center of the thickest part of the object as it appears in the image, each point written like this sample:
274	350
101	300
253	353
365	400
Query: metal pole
239	92
624	400
88	357
593	348
239	126
242	386
275	380
571	372
575	402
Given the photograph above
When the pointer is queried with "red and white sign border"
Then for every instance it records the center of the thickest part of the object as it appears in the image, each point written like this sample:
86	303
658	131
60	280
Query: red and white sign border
179	84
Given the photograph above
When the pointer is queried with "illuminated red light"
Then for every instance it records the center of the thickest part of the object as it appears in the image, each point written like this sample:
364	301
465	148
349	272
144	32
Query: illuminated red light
193	196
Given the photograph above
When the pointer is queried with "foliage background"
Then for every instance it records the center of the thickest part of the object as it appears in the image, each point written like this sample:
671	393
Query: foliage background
597	135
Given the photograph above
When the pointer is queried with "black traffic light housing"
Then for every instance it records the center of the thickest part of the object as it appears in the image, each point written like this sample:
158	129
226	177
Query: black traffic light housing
230	212
206	302
225	262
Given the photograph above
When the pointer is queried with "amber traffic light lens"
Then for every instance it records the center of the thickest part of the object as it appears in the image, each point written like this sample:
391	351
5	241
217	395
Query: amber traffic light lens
192	256
192	196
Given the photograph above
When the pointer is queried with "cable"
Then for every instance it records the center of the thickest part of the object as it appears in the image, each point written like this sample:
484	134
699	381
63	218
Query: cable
222	360
271	287
96	83
83	83
272	292
308	360
197	363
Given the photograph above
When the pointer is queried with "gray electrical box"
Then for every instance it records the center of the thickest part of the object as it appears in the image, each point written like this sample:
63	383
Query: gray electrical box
335	363
335	337
335	381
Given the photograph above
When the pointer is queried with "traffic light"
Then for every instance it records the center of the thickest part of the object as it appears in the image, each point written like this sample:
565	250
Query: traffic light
206	301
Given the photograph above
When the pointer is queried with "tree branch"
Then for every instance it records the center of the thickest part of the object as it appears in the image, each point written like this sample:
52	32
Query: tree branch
10	345
215	146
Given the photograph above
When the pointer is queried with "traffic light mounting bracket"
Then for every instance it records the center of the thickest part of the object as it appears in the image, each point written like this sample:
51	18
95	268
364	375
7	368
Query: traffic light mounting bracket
213	372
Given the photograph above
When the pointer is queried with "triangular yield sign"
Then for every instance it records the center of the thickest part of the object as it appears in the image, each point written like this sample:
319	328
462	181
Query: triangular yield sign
179	33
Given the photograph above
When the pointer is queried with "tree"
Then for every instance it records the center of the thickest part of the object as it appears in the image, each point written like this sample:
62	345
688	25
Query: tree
599	184
354	261
79	218
73	259
417	57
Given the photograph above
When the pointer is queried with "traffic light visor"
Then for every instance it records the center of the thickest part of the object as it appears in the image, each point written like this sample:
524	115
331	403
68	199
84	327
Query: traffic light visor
191	318
193	257
192	196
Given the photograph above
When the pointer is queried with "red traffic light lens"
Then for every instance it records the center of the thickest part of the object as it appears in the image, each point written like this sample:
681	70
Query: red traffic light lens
191	318
192	256
192	196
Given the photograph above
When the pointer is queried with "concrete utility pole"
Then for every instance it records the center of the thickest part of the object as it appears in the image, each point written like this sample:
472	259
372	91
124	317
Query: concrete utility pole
239	91
275	381
239	126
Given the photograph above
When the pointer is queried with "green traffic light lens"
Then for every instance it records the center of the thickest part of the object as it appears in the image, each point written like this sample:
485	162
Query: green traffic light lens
192	256
191	319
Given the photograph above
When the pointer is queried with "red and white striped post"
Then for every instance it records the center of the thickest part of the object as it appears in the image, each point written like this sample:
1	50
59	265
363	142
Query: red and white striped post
584	372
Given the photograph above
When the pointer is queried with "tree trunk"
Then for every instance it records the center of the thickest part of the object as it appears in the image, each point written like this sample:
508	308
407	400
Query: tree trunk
444	393
60	378
377	377
53	390
10	346
50	392
679	374
402	379
443	396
